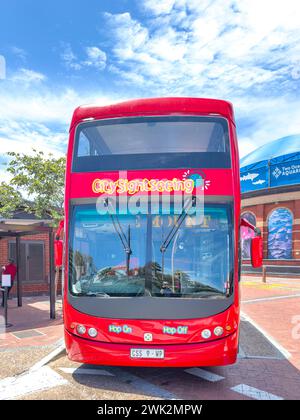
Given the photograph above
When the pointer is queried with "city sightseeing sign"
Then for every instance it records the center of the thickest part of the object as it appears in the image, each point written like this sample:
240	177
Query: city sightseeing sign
126	195
122	186
154	183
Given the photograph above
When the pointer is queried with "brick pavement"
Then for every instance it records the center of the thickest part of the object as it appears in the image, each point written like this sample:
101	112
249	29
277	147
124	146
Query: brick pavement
279	317
31	324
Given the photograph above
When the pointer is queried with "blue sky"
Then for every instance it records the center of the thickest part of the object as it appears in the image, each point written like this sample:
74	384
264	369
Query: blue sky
61	54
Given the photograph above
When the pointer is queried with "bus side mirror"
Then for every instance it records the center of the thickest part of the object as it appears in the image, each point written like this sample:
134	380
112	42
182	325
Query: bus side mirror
58	252
256	252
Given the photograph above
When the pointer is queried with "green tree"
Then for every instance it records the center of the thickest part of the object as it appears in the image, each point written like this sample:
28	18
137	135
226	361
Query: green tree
10	200
37	182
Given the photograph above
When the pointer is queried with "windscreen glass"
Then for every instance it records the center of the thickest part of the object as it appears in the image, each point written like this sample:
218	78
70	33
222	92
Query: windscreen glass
159	255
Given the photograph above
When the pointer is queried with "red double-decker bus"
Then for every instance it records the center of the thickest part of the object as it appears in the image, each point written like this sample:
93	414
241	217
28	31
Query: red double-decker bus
152	220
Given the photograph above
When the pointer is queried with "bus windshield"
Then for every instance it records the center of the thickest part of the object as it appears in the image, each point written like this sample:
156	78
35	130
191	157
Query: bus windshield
151	142
126	255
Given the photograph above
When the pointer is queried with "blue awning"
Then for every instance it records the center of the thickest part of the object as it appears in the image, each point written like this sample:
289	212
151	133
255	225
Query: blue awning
280	166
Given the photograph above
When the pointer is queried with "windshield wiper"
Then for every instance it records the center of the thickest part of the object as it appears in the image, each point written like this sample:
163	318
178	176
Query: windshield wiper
118	228
177	225
174	230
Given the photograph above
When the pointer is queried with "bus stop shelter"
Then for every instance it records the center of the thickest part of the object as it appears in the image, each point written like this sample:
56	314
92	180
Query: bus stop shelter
18	228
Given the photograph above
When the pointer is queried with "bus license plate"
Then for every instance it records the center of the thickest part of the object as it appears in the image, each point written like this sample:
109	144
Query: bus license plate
147	353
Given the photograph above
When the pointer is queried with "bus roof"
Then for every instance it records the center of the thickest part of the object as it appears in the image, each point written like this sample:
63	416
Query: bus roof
155	106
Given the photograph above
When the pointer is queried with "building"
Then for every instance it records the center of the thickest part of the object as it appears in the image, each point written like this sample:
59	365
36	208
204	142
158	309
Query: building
270	183
32	235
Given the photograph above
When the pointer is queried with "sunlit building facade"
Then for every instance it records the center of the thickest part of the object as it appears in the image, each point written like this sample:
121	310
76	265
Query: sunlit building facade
270	182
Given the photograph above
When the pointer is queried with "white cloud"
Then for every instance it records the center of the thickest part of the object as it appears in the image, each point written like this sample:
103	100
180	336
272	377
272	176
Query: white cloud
69	58
270	119
246	51
27	76
129	34
14	134
34	116
246	145
37	105
209	46
24	136
158	7
94	57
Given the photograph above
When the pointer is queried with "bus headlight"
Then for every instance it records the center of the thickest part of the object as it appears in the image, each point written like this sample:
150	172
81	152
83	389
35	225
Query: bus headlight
206	333
81	329
218	331
92	332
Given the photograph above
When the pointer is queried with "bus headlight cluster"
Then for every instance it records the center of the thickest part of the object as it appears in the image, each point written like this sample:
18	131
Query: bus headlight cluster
81	329
218	331
92	332
206	334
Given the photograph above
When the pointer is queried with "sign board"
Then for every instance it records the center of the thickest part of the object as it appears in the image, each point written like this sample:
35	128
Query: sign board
286	173
6	280
254	179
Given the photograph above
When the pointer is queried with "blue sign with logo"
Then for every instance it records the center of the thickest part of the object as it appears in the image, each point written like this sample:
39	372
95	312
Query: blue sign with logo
286	173
254	179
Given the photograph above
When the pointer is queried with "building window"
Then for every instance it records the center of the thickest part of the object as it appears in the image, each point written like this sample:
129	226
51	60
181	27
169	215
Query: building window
280	226
32	260
246	235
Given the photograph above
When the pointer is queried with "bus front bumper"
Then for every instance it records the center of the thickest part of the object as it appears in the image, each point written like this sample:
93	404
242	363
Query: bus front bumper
213	353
